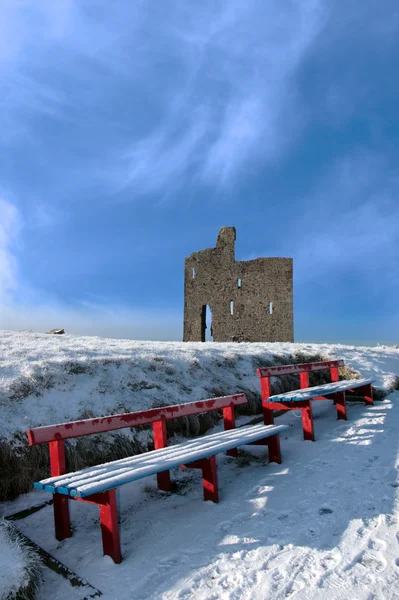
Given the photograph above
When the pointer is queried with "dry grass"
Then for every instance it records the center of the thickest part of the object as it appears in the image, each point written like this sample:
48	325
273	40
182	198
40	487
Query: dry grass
30	574
21	465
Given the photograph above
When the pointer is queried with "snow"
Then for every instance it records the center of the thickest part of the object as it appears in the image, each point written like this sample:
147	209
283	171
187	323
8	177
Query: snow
323	525
119	472
16	564
53	379
320	390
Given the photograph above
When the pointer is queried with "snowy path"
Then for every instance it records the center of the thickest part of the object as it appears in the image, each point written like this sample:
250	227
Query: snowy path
324	524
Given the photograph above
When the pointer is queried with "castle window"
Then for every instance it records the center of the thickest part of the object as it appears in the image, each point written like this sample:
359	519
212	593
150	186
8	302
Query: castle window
239	283
270	308
193	273
231	307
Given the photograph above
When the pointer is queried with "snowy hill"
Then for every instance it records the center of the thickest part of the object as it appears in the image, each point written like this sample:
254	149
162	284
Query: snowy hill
322	525
50	379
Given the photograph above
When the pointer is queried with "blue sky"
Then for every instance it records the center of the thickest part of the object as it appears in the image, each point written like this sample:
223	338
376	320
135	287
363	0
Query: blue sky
130	132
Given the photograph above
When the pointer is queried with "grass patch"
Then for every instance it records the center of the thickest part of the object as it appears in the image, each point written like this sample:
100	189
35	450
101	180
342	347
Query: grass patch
22	465
20	565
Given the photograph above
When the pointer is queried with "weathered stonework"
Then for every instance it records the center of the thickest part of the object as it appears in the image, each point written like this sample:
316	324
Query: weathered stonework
251	301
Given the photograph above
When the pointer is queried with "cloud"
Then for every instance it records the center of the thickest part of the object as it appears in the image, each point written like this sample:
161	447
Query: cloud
10	225
154	164
237	101
220	79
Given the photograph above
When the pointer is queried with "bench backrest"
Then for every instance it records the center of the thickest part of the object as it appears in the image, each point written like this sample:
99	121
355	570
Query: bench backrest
55	435
302	369
52	433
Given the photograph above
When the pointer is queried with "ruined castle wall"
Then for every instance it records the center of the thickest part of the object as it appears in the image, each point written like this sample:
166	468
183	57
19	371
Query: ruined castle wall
250	300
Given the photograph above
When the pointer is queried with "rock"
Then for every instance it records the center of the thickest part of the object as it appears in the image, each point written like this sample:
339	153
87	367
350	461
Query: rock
56	331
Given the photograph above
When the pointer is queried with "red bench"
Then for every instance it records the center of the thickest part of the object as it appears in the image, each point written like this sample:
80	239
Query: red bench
97	485
302	398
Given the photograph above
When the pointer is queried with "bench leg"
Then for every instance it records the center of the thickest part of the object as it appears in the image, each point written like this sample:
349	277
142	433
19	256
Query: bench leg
307	423
62	521
367	392
163	480
229	423
161	441
233	452
209	476
210	479
340	404
273	444
109	527
268	417
274	449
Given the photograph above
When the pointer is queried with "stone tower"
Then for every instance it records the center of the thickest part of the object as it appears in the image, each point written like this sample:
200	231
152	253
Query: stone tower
250	301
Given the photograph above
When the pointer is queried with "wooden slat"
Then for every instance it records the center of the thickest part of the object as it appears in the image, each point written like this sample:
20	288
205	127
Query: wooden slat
319	390
63	431
299	368
108	476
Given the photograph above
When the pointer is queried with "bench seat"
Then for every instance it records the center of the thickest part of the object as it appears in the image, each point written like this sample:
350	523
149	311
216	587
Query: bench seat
98	484
303	397
320	390
101	478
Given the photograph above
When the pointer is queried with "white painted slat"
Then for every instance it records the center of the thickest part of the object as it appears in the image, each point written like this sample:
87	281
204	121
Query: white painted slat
319	390
110	475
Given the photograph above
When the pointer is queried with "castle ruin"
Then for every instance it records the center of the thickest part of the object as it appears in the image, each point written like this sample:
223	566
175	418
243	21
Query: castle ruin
250	301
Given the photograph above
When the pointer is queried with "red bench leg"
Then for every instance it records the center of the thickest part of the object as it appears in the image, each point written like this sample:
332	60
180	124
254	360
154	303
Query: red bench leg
268	417
229	423
307	422
109	527
209	476
62	521
273	444
163	480
340	404
274	449
210	479
161	441
367	391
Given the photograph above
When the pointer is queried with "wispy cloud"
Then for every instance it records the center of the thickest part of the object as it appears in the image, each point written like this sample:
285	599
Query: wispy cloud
141	98
220	78
246	58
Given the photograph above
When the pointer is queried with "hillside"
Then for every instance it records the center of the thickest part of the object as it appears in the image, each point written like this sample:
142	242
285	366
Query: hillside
49	379
322	525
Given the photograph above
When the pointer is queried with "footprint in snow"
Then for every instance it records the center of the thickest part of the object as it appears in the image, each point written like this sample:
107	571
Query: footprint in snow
373	561
171	561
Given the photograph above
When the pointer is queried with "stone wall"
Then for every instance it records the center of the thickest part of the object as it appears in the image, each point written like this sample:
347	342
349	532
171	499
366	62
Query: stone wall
250	301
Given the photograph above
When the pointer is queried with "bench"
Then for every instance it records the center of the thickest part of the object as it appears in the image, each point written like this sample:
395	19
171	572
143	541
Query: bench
302	398
98	484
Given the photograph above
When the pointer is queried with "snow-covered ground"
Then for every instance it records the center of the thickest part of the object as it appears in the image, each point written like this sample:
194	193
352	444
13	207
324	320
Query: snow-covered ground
18	563
52	379
322	525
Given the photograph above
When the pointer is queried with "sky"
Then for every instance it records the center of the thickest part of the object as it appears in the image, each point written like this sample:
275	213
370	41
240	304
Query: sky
130	132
